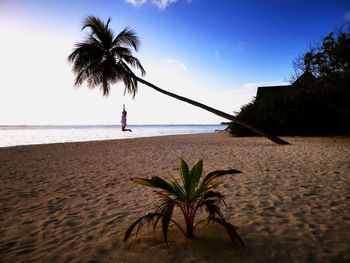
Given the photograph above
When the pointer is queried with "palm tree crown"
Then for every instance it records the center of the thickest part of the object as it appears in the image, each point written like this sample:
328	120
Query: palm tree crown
103	59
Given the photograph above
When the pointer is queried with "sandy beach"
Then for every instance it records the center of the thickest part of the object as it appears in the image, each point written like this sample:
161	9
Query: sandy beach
73	202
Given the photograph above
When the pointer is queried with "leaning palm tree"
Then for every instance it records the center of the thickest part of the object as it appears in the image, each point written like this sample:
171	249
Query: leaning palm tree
103	59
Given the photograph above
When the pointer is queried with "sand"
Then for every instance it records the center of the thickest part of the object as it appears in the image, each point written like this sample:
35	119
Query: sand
73	202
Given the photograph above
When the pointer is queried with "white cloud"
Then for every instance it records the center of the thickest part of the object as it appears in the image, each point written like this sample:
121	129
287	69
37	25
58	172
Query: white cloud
347	16
176	64
136	2
162	4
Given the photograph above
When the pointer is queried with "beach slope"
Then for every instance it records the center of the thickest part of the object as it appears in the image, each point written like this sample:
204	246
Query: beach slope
73	202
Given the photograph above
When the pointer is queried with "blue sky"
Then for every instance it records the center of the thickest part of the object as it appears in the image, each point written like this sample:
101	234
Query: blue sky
216	52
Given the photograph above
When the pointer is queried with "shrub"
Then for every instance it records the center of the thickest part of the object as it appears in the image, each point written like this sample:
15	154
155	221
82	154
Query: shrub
190	197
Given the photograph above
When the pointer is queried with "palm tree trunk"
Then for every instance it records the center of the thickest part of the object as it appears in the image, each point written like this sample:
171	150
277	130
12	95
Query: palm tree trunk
217	112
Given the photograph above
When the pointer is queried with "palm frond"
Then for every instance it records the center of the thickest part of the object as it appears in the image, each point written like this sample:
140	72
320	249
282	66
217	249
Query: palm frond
89	73
180	192
214	195
231	230
128	77
127	37
119	52
164	195
215	174
211	201
197	193
99	29
162	210
134	62
139	223
213	208
159	211
167	212
211	195
155	182
83	54
195	175
185	175
93	22
143	181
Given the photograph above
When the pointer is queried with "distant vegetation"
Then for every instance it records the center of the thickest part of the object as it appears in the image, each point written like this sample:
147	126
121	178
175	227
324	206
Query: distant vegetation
318	101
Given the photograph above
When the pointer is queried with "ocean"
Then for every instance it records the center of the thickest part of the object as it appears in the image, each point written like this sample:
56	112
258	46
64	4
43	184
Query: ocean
44	134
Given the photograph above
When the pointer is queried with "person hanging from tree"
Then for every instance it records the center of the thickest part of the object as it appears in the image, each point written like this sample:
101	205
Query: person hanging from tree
123	121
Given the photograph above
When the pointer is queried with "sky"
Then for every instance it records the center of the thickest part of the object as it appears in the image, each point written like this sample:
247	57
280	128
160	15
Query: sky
216	52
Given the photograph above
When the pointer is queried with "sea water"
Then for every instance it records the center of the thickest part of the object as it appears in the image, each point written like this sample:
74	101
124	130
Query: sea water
26	135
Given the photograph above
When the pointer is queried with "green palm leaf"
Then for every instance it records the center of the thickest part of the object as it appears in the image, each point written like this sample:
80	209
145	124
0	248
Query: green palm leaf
155	182
143	181
197	193
180	192
215	174
185	175
195	175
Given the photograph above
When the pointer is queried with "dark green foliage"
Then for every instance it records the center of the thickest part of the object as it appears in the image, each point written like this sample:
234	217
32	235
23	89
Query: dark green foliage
190	197
295	113
317	103
331	55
